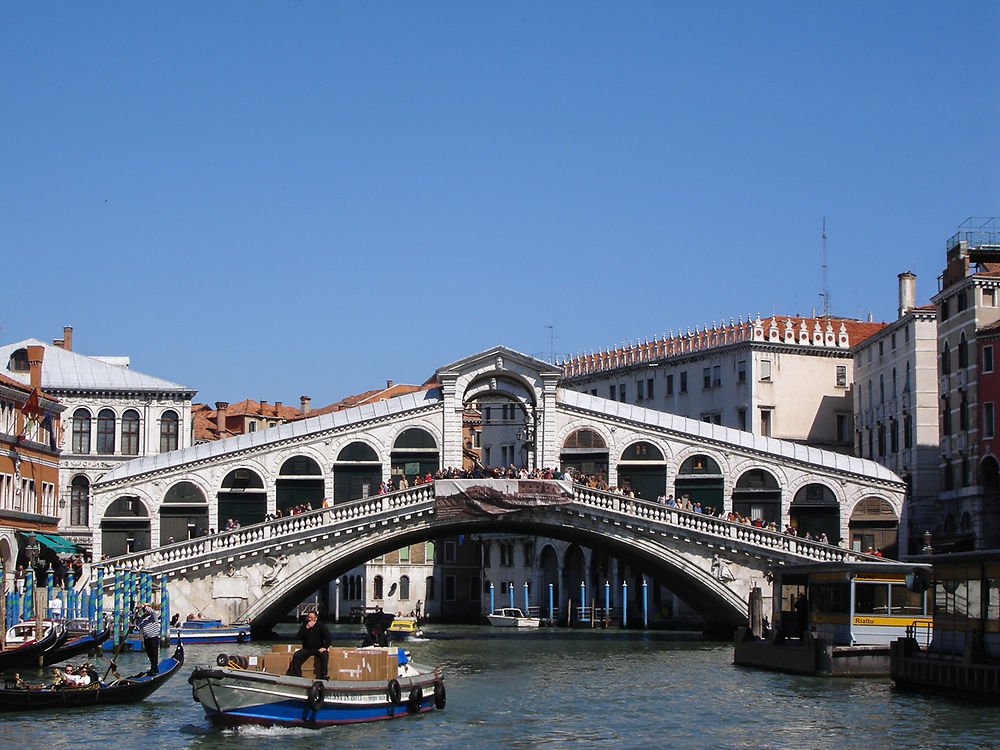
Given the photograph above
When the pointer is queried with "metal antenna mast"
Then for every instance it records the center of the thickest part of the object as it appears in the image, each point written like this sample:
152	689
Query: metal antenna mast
825	294
552	345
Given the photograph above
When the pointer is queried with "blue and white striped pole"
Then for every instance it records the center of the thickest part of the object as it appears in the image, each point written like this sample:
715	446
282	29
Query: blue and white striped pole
492	605
645	607
607	601
583	599
527	609
164	610
552	610
27	606
117	614
98	599
624	604
71	605
50	579
510	592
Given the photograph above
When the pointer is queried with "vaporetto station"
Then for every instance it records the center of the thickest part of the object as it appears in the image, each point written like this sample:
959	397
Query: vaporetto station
154	510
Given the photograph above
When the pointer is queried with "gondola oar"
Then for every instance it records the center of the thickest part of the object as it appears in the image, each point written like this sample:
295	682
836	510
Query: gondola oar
118	650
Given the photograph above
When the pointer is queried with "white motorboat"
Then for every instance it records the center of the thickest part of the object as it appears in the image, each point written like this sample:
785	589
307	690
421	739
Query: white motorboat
511	617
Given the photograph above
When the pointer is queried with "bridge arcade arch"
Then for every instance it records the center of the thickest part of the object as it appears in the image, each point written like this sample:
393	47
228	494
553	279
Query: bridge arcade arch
357	472
183	513
700	478
300	483
125	527
415	453
242	497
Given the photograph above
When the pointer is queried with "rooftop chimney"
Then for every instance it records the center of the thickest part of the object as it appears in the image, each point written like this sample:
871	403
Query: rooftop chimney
388	384
66	342
220	416
907	292
35	356
305	404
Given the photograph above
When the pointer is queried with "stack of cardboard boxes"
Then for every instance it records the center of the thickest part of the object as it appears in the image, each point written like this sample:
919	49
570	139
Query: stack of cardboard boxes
354	664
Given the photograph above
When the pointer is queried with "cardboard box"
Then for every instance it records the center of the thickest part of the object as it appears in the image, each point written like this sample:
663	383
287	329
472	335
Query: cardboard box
284	648
278	664
363	665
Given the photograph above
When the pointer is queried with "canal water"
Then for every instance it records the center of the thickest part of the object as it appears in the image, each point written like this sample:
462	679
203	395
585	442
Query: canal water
557	689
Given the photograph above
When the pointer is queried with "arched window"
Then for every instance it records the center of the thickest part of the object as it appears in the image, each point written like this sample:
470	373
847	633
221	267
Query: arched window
946	359
881	389
81	431
963	352
79	502
893	396
414	437
429	588
404	587
906	382
377	587
106	432
130	433
168	431
585	438
429	552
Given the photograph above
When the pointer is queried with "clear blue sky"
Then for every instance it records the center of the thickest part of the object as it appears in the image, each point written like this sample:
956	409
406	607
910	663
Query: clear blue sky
267	200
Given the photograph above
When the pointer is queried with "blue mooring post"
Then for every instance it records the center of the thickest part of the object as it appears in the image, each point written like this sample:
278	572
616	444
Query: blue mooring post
29	590
70	596
552	611
645	609
583	599
526	607
164	610
492	604
50	579
117	614
510	590
624	604
99	597
607	601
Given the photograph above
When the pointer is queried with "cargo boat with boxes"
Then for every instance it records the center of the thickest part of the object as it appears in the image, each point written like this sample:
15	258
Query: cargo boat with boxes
366	684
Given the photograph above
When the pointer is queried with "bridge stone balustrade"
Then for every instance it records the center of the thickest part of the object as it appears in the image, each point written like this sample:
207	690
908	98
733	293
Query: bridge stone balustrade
261	571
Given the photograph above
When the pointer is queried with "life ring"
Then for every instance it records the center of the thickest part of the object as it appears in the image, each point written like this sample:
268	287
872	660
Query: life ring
393	692
415	701
315	696
440	695
221	660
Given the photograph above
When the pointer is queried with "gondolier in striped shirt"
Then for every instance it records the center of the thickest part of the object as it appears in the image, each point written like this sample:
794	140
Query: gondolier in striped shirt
148	624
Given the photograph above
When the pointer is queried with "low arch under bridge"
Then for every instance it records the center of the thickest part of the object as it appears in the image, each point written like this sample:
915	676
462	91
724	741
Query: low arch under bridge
261	572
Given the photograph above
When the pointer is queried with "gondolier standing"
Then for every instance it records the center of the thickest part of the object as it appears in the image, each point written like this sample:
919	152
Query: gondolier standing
148	624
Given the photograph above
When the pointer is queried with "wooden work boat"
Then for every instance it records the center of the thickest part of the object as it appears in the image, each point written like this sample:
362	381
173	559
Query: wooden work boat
18	696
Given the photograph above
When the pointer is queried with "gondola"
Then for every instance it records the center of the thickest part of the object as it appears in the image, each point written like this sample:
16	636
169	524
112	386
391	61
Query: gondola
27	654
77	644
16	696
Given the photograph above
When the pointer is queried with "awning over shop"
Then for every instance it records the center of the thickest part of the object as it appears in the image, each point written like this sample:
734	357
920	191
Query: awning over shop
56	543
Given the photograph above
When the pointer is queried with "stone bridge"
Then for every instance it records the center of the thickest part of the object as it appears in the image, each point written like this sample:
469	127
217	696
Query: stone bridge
261	572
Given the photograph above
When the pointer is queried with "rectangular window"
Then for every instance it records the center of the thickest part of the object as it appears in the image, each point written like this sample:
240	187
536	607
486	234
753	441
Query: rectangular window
621	392
988	421
649	387
944	309
612	392
741	419
841	428
989	297
741	371
987	359
717	376
706	378
593	392
684	382
765	369
670	385
881	348
841	376
765	422
404	555
639	385
893	343
449	552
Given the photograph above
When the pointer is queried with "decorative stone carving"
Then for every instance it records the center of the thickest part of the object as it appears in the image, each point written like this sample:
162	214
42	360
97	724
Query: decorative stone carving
275	564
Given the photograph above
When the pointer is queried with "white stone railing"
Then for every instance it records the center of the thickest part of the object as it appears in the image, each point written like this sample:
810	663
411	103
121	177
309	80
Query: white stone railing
720	527
275	531
322	521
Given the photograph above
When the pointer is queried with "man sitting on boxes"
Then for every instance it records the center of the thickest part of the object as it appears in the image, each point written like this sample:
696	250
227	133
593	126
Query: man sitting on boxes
315	642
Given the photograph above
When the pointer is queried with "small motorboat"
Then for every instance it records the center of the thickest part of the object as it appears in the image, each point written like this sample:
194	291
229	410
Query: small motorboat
25	650
402	628
511	617
19	696
211	631
370	683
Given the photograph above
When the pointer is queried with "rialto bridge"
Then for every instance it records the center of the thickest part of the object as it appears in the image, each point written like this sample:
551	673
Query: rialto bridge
154	511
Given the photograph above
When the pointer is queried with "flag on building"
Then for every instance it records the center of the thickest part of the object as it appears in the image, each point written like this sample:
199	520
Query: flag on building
31	406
